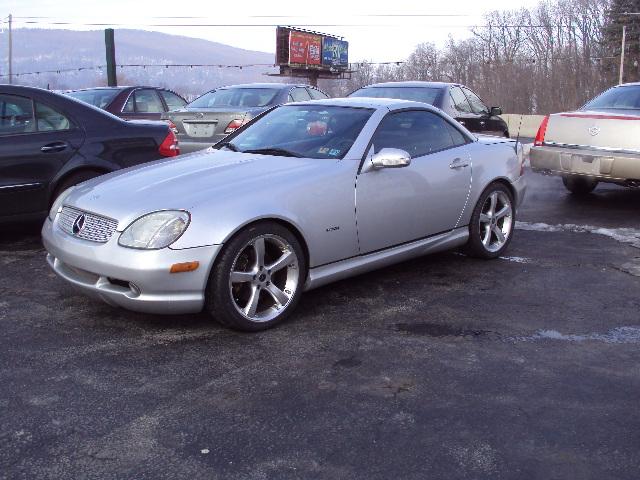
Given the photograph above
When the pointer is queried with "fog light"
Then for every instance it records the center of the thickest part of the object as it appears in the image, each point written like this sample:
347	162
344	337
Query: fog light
135	289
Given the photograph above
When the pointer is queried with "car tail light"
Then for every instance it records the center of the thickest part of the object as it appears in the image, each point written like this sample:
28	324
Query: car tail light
541	132
172	126
169	146
234	125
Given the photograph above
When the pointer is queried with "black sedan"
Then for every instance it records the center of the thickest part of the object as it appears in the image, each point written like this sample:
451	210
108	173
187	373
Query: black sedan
131	103
453	98
217	113
49	142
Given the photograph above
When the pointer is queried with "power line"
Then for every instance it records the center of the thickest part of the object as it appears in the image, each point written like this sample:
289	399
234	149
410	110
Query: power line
262	25
174	65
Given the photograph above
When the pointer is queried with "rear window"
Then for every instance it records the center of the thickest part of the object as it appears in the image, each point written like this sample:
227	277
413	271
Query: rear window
415	94
98	97
624	98
236	97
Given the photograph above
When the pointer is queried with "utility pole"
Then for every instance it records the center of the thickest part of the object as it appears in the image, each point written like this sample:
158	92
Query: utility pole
624	35
110	47
10	53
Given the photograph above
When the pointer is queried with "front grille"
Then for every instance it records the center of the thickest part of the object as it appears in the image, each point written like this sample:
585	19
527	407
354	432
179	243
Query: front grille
94	228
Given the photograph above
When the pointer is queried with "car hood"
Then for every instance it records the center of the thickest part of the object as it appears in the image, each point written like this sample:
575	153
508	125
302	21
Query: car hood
208	177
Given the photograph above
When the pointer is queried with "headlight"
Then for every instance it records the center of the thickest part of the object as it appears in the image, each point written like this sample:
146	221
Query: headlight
155	230
57	203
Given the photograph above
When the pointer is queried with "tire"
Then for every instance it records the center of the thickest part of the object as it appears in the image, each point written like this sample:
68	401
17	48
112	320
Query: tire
579	185
71	180
493	213
261	297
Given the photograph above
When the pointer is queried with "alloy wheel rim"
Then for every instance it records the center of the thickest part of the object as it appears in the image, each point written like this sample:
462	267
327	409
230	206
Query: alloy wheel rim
264	278
496	221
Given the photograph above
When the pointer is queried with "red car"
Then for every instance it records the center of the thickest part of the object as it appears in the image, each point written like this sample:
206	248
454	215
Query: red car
131	103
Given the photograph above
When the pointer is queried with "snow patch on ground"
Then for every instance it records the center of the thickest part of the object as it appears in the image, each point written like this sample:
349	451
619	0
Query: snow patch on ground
616	335
517	259
629	236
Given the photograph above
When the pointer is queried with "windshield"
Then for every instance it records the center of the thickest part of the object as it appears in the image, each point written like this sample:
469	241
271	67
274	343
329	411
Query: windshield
236	97
415	94
623	98
99	97
310	131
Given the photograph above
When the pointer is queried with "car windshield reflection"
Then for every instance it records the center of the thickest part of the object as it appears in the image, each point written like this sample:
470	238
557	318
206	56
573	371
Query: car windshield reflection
309	131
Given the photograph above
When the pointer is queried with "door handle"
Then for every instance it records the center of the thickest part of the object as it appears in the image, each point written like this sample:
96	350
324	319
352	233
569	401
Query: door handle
54	147
458	163
461	122
482	123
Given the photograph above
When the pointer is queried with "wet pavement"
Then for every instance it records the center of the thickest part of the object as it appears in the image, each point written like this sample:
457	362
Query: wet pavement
445	367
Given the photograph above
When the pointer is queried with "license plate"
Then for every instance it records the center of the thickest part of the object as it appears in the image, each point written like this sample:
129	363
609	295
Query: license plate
200	130
586	165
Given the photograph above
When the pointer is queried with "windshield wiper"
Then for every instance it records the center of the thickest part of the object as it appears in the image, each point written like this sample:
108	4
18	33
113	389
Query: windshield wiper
230	146
274	151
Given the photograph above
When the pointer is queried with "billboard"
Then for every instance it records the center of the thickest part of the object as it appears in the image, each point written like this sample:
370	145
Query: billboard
310	50
304	48
335	53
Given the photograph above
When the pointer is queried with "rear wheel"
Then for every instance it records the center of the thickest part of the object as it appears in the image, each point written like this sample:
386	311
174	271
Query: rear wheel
579	185
492	223
258	278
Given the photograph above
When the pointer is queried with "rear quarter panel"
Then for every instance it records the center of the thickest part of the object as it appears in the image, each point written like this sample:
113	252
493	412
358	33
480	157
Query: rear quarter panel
491	162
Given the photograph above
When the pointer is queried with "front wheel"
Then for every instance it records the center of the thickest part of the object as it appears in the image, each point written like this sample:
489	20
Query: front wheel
258	278
492	223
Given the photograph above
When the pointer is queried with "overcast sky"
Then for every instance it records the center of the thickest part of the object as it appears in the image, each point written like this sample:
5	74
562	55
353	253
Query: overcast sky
376	30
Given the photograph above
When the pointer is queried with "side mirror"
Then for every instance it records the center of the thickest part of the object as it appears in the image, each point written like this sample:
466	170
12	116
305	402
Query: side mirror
391	158
495	111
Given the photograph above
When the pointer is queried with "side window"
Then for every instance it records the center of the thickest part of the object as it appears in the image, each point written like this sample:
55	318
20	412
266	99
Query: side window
476	104
147	101
460	102
300	94
456	135
418	132
173	101
129	106
49	120
317	94
16	115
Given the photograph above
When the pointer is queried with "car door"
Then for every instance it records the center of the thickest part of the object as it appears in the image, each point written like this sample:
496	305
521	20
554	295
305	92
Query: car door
486	123
427	197
143	104
35	142
463	112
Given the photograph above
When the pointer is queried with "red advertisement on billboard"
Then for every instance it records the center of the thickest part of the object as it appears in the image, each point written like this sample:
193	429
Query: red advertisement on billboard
305	48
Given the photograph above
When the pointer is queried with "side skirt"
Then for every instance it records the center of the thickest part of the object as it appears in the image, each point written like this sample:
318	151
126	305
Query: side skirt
350	267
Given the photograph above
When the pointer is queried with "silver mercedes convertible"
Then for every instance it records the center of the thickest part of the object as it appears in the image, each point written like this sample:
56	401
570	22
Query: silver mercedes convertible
303	195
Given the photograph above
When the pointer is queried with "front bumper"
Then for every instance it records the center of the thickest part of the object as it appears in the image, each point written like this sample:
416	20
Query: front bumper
137	280
601	165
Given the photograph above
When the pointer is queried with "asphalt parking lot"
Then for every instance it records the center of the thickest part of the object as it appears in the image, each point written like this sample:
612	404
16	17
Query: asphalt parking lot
447	367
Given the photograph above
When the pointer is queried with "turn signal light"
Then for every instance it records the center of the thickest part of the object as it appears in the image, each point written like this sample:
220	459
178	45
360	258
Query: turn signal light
184	267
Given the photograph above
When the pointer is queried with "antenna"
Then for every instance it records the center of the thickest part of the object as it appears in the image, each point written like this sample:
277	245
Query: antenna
518	135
